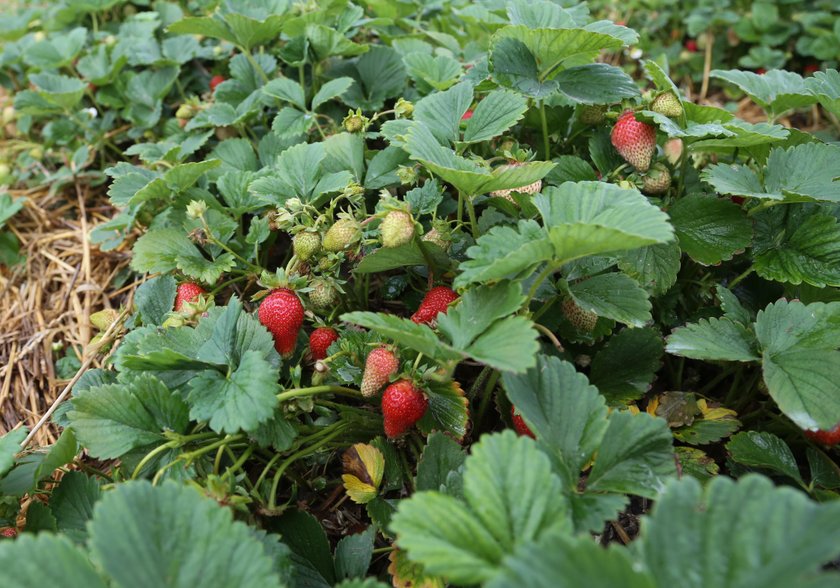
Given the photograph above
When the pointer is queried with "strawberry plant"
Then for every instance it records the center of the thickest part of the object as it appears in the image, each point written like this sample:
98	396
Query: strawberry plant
464	294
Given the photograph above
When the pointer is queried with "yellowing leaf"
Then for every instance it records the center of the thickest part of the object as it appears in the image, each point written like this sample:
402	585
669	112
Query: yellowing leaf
407	574
364	466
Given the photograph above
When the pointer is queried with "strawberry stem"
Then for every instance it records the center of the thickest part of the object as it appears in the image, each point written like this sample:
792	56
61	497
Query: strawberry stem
313	390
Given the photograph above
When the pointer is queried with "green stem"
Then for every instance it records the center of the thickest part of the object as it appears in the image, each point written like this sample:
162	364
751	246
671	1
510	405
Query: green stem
544	122
255	65
239	462
485	399
740	277
312	391
549	269
212	447
151	455
275	483
473	222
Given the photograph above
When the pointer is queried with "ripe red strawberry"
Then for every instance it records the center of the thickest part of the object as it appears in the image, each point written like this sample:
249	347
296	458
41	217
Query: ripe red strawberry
739	200
761	71
282	313
9	533
467	115
830	437
634	140
215	81
691	45
582	320
657	180
519	424
187	292
811	68
380	365
667	104
437	300
403	404
397	229
320	340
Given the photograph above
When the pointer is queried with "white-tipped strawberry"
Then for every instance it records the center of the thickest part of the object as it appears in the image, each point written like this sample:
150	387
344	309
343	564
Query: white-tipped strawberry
634	140
380	365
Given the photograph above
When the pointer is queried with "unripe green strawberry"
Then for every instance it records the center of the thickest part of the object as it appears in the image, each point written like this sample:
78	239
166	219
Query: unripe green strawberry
104	318
634	140
592	114
439	238
342	234
667	104
380	365
323	294
403	404
306	244
582	320
397	229
657	180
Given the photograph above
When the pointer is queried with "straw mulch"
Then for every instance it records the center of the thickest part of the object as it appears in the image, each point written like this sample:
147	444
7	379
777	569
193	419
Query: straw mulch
46	301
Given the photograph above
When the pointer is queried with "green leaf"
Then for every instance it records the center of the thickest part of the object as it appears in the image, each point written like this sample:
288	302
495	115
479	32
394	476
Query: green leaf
510	497
379	75
154	299
589	218
796	244
113	419
655	267
388	258
286	90
764	450
526	59
714	339
172	536
776	91
45	559
353	554
479	308
626	366
826	86
559	561
505	252
72	504
596	83
330	91
304	535
494	115
438	72
509	344
636	456
722	524
615	296
710	230
239	401
403	331
566	413
165	250
440	465
63	91
448	410
9	448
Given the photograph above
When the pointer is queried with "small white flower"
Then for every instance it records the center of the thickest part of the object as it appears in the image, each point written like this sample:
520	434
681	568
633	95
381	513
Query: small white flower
92	112
635	53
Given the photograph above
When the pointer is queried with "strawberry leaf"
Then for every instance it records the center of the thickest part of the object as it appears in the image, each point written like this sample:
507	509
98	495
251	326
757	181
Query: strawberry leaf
624	369
495	114
9	448
714	339
241	400
655	267
764	450
614	296
710	230
510	497
32	560
776	91
171	535
113	419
